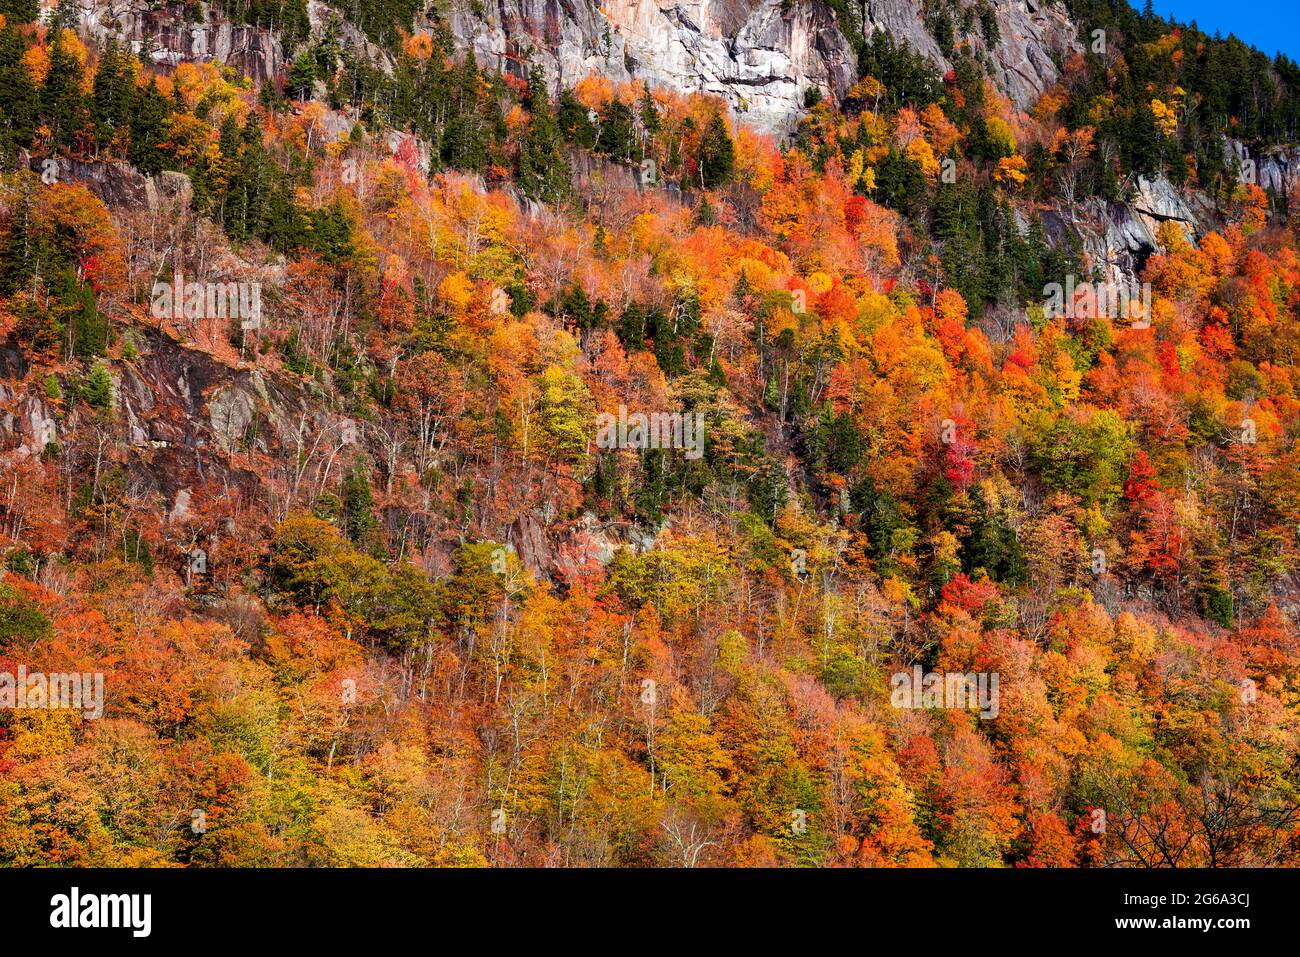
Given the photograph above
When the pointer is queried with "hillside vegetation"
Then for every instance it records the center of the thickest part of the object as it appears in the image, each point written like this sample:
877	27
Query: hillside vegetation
367	586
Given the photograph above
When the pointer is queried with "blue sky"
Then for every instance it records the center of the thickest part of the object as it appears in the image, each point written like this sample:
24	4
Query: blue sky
1271	25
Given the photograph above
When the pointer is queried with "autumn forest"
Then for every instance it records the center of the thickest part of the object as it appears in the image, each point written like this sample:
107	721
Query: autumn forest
410	460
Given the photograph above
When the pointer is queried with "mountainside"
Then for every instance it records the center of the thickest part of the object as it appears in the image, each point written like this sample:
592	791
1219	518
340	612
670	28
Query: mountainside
722	433
761	57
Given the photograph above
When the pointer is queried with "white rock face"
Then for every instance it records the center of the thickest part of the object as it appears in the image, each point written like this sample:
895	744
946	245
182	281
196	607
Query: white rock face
180	506
1277	170
1033	35
161	38
901	19
761	56
1158	200
756	54
39	428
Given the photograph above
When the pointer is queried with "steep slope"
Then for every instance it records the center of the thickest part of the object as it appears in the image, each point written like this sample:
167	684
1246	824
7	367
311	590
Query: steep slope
762	56
432	486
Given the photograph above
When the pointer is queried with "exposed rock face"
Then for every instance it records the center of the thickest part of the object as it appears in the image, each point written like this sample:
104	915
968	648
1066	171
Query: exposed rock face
1117	238
596	174
1158	200
184	416
162	37
119	184
26	423
1277	170
901	19
756	54
759	55
1036	36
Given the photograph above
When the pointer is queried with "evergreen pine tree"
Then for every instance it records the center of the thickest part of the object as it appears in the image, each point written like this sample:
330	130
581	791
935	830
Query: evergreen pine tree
650	121
62	104
22	248
112	95
464	144
17	97
87	329
98	388
302	76
717	154
149	118
616	134
543	168
575	120
358	515
20	11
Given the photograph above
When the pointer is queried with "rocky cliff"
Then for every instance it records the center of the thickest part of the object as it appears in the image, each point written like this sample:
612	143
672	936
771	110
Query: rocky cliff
761	56
162	35
1035	39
